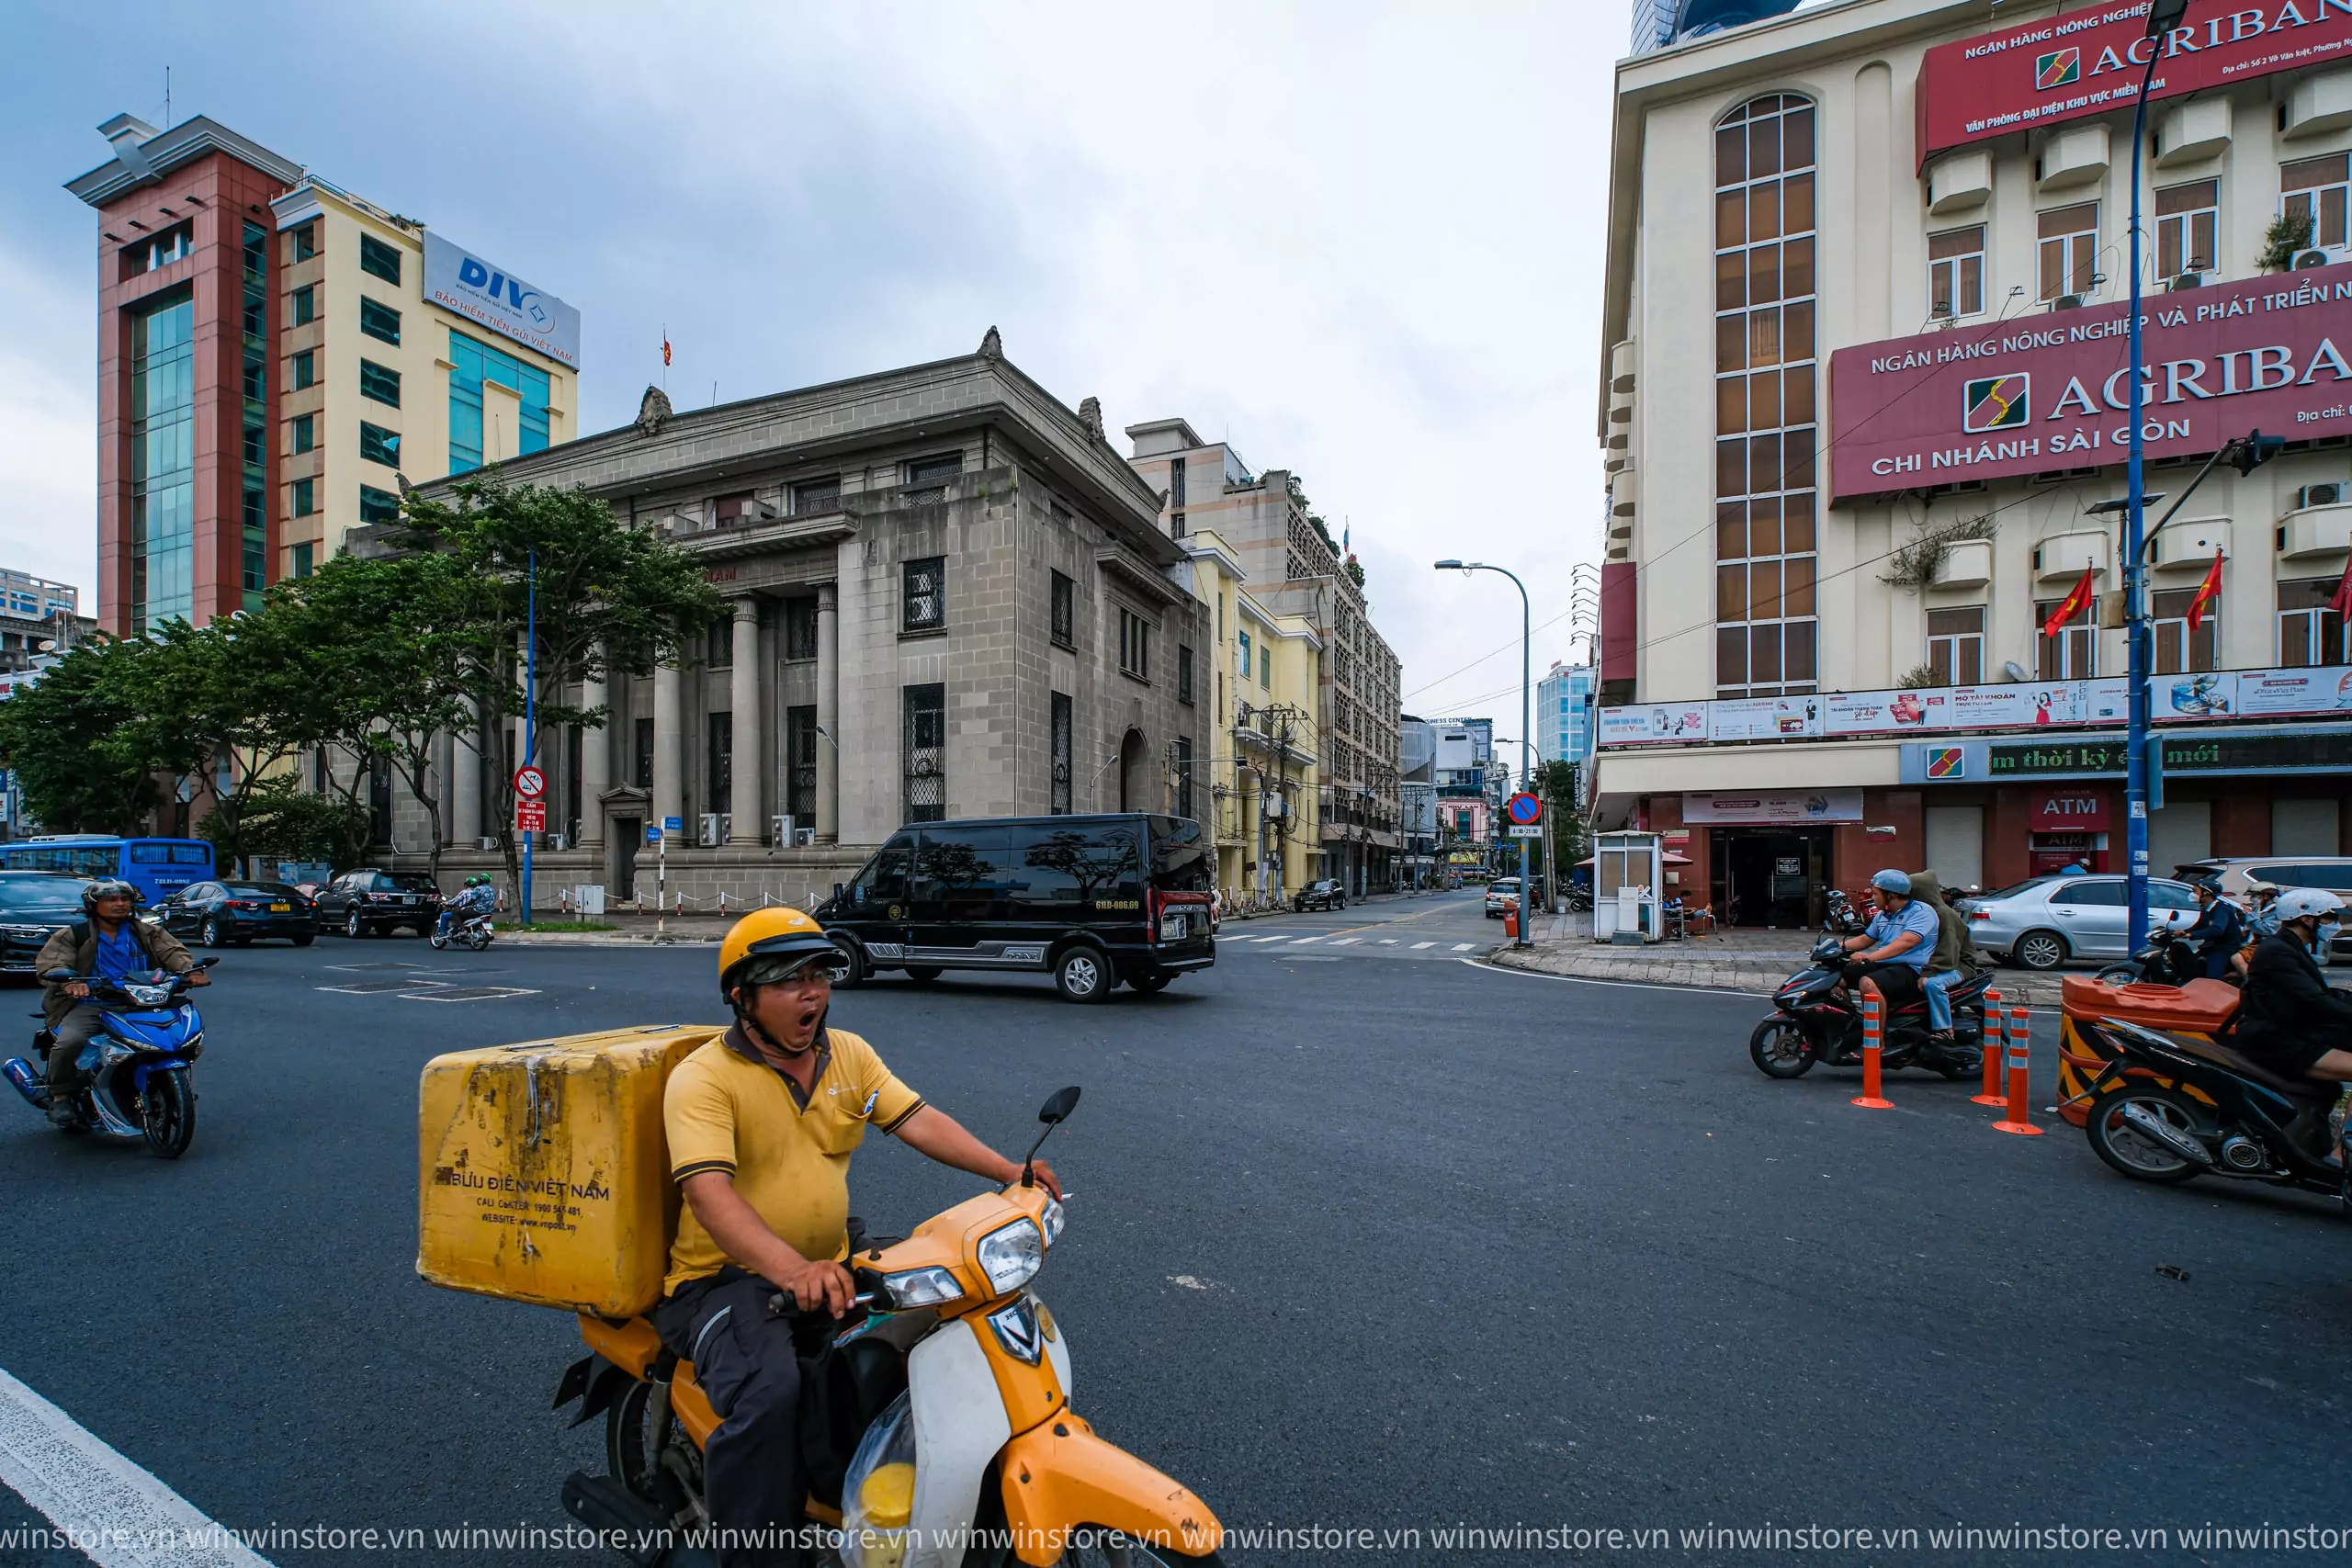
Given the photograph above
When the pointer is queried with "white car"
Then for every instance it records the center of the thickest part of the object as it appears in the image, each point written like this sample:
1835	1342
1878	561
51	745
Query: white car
1503	894
2044	921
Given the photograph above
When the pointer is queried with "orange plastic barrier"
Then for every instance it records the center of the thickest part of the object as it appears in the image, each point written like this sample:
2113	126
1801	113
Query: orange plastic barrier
2200	1009
1871	1098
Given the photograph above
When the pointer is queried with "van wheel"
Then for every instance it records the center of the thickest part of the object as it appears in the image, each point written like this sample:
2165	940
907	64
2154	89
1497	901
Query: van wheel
1083	975
923	974
854	974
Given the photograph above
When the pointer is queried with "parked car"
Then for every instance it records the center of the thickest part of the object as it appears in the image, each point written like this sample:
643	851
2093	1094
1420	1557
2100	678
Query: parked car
1324	895
2041	923
371	903
1502	895
231	914
1091	900
2332	872
32	905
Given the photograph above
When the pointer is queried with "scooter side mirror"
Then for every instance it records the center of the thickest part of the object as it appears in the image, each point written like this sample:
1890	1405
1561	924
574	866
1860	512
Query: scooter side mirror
206	962
1056	1110
57	977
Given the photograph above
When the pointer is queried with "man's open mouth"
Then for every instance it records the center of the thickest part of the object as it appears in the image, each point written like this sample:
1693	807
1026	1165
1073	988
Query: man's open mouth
809	1017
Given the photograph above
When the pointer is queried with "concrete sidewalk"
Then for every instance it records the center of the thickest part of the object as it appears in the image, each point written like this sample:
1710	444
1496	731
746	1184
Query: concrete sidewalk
1754	962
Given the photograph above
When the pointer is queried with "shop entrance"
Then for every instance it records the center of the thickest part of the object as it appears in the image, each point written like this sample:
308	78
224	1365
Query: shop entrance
1768	877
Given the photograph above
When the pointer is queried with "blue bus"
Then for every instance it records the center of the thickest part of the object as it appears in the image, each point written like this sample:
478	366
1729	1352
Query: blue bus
157	868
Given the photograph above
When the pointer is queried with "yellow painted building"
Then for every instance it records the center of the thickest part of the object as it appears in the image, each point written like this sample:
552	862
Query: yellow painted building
402	355
1260	762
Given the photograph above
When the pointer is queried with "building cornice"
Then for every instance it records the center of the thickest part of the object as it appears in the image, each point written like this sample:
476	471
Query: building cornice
169	150
811	425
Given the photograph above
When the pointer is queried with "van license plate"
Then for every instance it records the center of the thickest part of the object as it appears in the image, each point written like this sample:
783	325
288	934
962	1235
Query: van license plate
1172	928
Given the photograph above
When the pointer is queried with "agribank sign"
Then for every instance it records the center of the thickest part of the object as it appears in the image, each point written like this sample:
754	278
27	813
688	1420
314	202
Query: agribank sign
456	279
2049	391
2086	63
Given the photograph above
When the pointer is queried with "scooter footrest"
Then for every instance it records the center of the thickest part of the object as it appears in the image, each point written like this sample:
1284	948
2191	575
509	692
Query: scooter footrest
604	1504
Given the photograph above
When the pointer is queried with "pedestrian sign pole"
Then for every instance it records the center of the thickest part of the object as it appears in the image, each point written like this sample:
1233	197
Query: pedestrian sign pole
1526	814
661	873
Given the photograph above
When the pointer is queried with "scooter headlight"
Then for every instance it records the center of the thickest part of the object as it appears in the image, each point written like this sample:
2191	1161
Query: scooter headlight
1053	1221
1012	1256
148	995
921	1287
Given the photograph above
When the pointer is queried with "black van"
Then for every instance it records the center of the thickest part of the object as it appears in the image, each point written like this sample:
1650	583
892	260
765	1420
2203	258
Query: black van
1093	900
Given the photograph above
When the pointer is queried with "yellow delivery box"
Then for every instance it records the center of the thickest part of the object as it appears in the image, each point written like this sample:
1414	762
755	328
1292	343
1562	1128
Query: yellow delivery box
543	1175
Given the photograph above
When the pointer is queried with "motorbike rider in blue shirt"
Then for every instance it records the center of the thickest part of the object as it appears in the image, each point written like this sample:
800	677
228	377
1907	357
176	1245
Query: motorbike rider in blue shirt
1894	950
110	943
476	896
2219	929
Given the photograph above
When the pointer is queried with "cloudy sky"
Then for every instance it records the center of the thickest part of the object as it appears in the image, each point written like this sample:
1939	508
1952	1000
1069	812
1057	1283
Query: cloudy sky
1359	242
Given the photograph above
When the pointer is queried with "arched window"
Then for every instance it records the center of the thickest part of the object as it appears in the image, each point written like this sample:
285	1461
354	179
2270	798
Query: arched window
1765	399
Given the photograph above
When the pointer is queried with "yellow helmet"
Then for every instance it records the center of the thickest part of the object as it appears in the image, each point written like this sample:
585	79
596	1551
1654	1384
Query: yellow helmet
783	933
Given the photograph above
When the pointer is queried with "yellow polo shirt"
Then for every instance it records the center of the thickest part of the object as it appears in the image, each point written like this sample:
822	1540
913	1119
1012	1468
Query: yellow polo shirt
725	1109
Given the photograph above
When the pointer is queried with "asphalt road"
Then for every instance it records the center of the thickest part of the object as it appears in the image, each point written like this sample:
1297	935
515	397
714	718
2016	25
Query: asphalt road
1360	1238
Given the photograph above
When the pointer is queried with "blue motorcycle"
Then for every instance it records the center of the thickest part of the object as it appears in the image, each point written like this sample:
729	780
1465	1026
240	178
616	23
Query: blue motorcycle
137	1064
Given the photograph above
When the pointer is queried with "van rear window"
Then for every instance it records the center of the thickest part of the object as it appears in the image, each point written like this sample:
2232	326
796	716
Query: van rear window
1181	861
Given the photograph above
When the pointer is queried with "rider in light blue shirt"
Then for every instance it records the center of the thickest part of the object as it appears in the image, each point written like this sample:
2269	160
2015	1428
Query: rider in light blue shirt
1892	950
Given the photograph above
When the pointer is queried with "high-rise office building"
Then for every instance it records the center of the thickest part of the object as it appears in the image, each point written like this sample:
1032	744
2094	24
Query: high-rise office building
1564	714
274	355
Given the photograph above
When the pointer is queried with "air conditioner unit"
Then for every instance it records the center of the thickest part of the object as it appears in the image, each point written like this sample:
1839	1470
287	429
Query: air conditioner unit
2319	256
2068	302
2323	495
2186	280
714	830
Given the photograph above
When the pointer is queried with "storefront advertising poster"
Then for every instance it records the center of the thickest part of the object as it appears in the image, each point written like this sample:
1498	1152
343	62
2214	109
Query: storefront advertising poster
1767	807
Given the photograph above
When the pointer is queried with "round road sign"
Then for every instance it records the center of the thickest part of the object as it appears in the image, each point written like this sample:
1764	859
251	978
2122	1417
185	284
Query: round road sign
1525	810
529	782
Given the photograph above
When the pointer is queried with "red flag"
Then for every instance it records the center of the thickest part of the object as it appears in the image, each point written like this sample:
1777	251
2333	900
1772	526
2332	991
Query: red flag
2342	603
2207	592
2074	605
665	349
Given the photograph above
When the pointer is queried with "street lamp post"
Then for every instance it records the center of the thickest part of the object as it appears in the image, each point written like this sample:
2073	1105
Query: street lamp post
1526	760
2163	15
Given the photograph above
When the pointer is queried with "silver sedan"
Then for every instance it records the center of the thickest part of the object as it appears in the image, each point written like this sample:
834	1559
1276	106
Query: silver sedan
2042	922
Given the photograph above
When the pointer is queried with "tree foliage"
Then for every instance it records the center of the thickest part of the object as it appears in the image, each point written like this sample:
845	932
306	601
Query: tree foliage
276	819
72	739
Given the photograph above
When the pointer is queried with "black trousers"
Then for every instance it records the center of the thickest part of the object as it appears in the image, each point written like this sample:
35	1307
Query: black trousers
1898	983
746	1361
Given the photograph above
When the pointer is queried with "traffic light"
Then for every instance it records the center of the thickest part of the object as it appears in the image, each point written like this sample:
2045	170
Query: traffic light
2255	450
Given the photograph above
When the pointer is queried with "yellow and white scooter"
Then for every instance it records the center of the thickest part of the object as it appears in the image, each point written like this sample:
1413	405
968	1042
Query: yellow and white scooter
937	1422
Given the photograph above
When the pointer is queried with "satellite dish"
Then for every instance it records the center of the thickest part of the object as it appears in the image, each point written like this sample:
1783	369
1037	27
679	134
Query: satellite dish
2013	670
44	645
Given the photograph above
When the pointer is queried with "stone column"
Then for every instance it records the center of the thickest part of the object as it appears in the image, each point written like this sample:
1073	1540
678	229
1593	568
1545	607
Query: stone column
669	757
828	715
465	784
595	772
748	766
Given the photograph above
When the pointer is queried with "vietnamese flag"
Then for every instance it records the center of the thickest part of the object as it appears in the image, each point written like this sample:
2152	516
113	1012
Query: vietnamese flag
2074	605
2207	592
2342	603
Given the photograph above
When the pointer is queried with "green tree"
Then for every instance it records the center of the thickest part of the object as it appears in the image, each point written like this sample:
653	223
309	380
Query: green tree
395	639
83	764
276	819
611	601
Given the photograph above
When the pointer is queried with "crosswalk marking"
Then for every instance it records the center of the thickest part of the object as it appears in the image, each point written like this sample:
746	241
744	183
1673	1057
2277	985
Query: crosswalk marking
1388	941
1302	942
1346	941
1464	946
1419	945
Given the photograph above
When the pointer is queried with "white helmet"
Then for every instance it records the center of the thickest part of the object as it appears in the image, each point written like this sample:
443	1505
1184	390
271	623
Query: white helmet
2298	902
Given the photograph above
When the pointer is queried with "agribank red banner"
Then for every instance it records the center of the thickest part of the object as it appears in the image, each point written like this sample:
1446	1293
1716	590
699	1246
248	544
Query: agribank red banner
2048	390
2086	62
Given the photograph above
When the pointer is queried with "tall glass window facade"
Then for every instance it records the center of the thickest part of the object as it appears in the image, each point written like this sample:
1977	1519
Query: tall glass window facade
255	513
162	463
477	363
1764	430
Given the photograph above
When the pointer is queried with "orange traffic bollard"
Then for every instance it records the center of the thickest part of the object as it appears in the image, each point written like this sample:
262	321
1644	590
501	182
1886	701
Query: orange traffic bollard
2021	1055
1511	921
1997	1035
1870	1098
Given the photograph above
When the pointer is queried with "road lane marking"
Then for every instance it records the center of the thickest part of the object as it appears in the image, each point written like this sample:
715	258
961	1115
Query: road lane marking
119	1514
1464	946
1346	942
1302	942
469	993
1419	945
381	988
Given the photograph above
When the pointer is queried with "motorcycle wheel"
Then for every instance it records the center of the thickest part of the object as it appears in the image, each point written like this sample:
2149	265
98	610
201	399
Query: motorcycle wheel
1780	1048
2131	1152
2116	975
1097	1546
167	1109
634	1455
477	941
438	942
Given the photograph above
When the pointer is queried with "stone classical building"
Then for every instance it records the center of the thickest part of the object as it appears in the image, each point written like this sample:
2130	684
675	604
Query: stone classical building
948	598
1292	569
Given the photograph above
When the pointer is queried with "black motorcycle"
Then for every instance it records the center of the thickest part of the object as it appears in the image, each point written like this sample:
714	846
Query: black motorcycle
1843	919
1818	1021
2166	960
2222	1114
